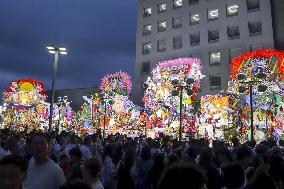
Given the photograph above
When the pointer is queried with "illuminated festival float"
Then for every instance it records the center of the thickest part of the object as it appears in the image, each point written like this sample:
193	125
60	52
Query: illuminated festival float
24	106
63	115
214	118
111	110
257	91
172	88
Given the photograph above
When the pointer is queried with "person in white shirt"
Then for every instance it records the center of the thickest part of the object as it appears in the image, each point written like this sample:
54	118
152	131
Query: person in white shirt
91	173
43	173
86	153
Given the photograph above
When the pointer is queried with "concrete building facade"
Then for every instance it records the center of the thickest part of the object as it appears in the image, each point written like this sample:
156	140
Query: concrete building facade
213	30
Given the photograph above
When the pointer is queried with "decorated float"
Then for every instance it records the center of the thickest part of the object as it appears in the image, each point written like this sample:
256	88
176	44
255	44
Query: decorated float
63	115
215	117
260	75
172	82
110	110
24	107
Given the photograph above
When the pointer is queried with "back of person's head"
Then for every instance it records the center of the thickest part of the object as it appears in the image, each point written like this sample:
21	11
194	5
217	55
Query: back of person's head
145	153
108	150
76	152
76	184
192	153
40	135
13	171
235	142
129	156
261	180
233	175
93	166
15	160
183	176
206	157
87	140
172	158
243	152
261	150
159	160
275	165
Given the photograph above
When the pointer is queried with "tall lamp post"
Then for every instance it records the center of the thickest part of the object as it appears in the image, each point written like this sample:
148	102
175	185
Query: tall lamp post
179	87
56	51
249	83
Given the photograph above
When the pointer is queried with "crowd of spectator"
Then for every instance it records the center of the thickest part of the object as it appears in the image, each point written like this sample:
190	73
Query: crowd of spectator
66	161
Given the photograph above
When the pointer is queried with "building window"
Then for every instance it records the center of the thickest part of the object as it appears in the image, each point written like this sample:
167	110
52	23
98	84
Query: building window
255	28
256	47
161	45
162	26
147	11
192	2
215	82
146	48
162	7
232	10
194	39
233	32
177	42
177	23
253	5
145	68
213	14
194	18
215	58
177	4
234	53
213	36
147	29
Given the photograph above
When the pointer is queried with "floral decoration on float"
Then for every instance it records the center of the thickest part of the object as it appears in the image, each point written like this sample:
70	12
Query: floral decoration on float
214	116
264	69
161	99
25	106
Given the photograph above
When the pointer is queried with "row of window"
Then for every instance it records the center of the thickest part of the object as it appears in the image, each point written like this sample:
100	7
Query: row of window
233	32
231	9
194	19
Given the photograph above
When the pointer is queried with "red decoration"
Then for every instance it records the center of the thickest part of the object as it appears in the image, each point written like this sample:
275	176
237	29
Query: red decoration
237	62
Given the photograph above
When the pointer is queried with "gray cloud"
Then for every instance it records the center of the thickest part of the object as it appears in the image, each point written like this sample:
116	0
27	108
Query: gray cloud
100	37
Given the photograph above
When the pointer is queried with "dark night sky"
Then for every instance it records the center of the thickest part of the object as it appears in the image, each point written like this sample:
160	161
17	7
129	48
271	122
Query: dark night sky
99	36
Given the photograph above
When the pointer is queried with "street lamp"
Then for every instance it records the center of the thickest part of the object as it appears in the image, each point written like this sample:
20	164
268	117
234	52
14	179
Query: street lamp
258	78
56	51
178	90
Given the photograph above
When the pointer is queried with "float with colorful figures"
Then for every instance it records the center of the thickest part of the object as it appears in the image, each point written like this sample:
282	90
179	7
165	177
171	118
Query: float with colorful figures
63	115
111	109
215	117
24	107
263	71
161	97
259	74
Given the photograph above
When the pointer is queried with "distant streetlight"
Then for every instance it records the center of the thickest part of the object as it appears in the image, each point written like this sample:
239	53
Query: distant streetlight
56	51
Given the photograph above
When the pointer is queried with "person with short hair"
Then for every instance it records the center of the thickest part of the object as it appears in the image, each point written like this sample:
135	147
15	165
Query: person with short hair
233	175
74	171
91	173
13	171
43	173
183	176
